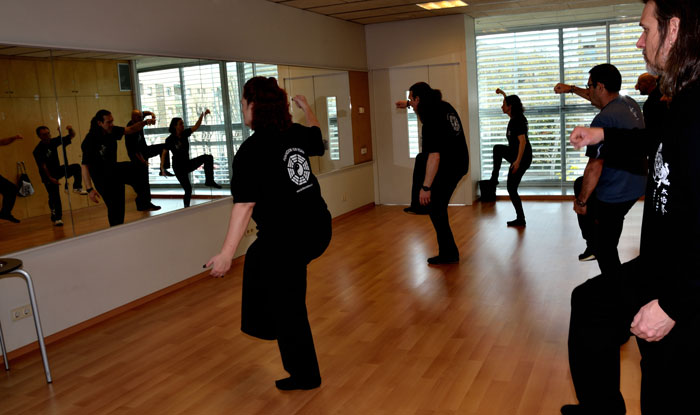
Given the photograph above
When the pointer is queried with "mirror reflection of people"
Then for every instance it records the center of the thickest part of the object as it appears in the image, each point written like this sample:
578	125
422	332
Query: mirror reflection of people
109	176
7	188
51	170
518	153
178	143
272	182
448	160
138	149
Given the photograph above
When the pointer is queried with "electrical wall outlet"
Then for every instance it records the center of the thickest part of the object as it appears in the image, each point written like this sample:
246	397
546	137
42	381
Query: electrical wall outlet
249	231
21	312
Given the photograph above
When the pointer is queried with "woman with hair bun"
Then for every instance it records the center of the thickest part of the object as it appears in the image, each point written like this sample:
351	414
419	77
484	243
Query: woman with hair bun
518	153
272	182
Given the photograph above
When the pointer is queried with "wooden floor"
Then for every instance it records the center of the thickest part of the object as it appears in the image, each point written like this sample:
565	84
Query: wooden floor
394	336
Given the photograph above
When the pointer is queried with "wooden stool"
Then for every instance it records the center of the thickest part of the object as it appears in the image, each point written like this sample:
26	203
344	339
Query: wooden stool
10	267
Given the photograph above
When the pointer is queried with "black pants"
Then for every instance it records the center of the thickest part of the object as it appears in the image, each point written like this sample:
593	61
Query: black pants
9	194
111	187
440	195
601	227
501	152
157	150
274	299
418	177
73	170
182	173
602	310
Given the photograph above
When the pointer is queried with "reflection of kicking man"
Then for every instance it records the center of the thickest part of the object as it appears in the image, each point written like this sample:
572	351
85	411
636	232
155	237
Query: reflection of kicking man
51	170
100	165
7	188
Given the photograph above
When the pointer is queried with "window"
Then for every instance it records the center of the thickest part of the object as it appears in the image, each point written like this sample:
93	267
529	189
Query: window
209	85
529	64
334	144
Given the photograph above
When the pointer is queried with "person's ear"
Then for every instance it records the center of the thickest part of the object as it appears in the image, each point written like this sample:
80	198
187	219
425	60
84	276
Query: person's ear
673	27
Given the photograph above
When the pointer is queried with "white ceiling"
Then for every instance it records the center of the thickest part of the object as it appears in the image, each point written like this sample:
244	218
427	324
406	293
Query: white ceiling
380	11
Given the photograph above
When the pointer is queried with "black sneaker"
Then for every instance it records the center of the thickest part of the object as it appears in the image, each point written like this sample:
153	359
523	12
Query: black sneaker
415	211
148	208
213	184
572	410
440	260
587	255
517	222
165	173
290	384
8	216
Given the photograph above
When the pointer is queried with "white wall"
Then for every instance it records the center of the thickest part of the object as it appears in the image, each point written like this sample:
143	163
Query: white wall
433	50
81	278
244	30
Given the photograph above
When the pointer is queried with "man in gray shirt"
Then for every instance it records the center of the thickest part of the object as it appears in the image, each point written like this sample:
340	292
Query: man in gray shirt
607	190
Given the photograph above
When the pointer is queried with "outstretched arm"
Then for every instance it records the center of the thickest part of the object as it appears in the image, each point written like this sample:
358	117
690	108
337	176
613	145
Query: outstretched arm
199	121
561	88
8	140
138	126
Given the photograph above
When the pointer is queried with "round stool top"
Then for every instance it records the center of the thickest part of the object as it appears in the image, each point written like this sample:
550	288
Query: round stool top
8	265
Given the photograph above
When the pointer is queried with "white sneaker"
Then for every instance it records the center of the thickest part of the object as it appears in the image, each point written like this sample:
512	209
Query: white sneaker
58	222
81	191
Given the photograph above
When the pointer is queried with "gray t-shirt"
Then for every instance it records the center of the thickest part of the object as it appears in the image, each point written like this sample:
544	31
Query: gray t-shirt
618	185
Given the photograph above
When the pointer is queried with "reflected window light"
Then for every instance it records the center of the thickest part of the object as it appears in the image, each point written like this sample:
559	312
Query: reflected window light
333	138
413	135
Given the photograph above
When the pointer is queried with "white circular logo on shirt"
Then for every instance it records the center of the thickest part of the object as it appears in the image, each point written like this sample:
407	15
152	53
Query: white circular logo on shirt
298	169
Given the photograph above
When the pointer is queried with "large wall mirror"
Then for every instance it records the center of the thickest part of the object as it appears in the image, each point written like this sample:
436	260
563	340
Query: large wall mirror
63	89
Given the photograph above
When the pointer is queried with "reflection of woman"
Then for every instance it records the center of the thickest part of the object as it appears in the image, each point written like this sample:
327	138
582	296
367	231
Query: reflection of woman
272	182
518	152
178	143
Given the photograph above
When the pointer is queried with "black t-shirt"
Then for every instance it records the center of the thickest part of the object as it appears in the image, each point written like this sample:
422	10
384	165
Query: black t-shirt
655	110
443	133
180	147
47	153
272	170
670	239
517	126
135	143
100	149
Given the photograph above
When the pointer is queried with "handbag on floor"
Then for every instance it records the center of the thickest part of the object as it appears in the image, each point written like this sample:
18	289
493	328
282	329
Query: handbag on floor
24	185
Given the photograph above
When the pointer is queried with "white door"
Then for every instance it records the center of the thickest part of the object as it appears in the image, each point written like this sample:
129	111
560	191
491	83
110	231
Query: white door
391	126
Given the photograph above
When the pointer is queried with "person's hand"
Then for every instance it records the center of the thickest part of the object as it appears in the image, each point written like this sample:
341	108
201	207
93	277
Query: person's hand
94	196
18	137
402	104
561	88
150	121
69	127
52	180
514	166
500	91
584	136
581	210
301	102
651	322
207	112
424	197
220	264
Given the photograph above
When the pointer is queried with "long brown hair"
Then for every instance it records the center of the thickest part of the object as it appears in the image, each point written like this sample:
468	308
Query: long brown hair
683	62
270	104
